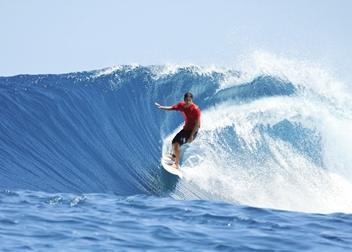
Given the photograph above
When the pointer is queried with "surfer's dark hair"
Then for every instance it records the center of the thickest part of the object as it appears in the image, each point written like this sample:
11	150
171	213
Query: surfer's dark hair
188	94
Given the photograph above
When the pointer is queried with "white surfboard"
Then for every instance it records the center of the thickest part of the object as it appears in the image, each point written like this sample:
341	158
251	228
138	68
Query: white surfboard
167	165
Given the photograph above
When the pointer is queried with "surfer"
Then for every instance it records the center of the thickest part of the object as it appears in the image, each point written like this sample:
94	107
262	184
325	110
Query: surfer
191	113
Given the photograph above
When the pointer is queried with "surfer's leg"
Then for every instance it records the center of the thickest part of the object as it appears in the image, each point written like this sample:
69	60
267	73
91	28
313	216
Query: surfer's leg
178	140
176	151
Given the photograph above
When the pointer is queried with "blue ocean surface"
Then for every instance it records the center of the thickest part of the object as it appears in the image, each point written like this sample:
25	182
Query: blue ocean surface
106	222
269	170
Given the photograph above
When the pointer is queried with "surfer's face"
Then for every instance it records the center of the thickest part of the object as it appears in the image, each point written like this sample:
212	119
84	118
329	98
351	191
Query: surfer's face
188	100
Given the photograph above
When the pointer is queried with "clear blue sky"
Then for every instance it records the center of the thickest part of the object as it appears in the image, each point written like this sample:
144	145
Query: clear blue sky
41	36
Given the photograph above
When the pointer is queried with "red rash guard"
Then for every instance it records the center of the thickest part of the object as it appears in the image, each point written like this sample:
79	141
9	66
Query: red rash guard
191	114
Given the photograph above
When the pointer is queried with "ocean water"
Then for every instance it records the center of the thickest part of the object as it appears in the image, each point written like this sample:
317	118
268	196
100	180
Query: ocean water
269	170
32	220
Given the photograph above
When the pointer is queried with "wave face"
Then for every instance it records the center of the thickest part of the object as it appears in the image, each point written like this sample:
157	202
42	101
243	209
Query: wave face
277	137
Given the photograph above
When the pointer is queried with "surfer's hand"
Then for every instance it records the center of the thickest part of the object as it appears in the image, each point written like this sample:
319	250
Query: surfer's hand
163	107
190	139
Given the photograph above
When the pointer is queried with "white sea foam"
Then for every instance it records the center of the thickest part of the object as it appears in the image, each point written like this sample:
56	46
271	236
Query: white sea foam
237	158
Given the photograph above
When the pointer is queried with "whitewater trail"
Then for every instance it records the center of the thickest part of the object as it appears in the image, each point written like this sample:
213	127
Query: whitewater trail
275	133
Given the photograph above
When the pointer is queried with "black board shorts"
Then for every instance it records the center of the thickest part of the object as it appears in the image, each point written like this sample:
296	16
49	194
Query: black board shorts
182	136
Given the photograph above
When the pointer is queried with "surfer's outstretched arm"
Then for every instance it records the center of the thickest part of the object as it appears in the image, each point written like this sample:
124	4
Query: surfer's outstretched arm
163	107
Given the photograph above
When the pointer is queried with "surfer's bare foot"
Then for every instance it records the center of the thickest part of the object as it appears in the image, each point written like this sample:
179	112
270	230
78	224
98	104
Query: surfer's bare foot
175	166
172	157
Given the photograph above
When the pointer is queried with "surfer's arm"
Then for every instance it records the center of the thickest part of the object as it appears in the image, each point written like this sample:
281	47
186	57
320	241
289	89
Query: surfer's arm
163	107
